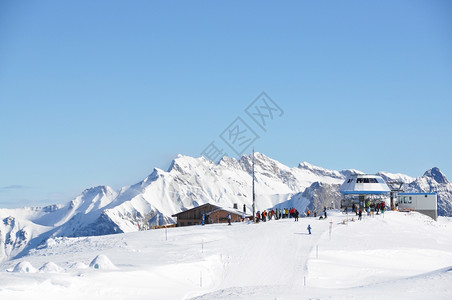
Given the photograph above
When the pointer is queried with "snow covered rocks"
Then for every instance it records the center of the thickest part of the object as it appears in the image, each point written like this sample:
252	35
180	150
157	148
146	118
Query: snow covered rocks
102	262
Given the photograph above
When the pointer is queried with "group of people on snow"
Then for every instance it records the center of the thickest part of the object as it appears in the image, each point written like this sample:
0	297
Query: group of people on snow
284	213
369	208
277	214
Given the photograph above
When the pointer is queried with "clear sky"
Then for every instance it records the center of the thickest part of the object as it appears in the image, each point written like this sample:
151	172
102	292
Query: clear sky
101	92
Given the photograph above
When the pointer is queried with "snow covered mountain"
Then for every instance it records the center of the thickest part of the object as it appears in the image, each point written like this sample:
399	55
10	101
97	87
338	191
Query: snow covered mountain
26	228
434	181
190	182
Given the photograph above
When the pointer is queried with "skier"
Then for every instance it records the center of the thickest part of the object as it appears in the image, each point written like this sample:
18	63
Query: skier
324	211
229	218
309	228
360	214
297	214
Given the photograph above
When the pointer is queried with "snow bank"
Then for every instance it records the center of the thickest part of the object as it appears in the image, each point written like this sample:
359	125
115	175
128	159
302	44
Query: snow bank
391	256
50	267
24	267
102	262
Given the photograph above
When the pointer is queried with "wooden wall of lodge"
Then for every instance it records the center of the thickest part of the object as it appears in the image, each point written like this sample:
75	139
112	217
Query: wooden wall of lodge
194	216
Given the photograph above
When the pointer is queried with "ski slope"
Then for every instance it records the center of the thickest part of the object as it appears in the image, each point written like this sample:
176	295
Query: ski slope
395	256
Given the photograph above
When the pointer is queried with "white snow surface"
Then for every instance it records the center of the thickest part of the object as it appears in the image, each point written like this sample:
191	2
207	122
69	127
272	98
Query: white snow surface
391	256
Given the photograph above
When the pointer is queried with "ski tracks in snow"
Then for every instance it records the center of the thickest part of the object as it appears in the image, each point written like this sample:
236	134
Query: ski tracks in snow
273	254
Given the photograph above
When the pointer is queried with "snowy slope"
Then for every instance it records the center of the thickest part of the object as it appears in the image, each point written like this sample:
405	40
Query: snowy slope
392	256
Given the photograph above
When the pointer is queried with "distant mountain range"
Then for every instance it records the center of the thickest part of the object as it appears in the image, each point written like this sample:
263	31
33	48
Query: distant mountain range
190	182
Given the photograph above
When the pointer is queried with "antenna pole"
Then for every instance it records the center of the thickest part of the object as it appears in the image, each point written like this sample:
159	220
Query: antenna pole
254	197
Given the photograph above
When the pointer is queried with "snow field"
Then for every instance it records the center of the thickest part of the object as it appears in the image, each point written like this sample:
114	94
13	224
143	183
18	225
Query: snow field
395	256
385	248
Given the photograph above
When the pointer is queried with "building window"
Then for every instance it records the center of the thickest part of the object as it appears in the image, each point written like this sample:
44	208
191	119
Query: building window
366	180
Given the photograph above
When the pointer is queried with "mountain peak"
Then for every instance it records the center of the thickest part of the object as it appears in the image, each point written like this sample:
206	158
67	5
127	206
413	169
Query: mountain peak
436	174
101	189
187	162
179	163
306	165
319	170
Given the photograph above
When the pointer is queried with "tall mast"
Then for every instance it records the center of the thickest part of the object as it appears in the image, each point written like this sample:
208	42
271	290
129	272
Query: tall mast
254	197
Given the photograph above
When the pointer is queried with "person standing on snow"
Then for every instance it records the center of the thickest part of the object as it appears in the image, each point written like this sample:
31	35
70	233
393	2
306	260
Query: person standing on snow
229	218
309	228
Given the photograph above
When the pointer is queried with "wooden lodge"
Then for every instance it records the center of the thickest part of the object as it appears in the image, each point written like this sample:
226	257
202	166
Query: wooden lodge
212	214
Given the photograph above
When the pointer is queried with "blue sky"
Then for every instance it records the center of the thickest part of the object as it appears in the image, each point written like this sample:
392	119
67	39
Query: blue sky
101	92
